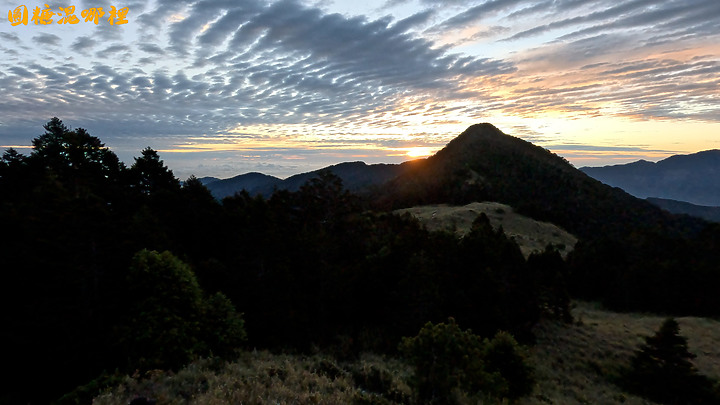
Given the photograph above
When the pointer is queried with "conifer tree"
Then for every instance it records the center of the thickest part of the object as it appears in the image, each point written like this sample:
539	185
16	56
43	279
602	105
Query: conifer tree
151	175
662	370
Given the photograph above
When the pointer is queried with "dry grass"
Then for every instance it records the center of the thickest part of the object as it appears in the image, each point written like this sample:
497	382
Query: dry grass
265	378
530	235
575	364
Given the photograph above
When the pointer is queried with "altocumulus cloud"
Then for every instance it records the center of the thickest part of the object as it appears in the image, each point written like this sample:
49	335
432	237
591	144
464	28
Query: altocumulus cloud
182	71
223	64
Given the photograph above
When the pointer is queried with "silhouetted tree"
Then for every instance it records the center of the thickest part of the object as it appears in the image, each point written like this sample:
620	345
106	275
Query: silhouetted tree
150	175
80	161
490	273
549	272
662	370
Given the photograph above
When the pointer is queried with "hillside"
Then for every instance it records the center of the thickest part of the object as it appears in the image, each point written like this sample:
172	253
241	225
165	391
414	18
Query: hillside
693	178
484	164
573	365
529	234
631	254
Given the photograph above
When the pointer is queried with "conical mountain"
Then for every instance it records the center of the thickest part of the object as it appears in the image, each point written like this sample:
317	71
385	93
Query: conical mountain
484	164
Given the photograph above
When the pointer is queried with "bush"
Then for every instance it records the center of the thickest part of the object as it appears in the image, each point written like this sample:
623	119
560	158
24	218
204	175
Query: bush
169	320
505	356
166	309
446	358
224	326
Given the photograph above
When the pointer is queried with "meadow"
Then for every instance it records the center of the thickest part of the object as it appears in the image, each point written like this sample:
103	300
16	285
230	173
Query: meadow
574	364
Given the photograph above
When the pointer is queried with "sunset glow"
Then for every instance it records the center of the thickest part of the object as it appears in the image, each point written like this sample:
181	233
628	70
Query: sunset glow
419	152
286	86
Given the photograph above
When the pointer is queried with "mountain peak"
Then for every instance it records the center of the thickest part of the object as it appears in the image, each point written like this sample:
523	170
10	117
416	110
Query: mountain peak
478	132
482	128
484	164
487	143
477	136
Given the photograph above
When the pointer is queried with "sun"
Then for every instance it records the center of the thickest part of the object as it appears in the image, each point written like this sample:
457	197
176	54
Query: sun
419	151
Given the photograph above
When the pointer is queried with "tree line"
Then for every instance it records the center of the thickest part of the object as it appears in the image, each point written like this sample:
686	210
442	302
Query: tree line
110	269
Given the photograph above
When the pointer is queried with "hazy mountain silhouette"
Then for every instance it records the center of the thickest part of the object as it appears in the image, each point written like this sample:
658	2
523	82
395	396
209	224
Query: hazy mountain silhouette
681	207
356	176
693	178
254	183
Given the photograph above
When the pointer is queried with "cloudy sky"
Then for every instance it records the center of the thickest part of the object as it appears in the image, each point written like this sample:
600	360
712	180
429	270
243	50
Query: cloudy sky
223	87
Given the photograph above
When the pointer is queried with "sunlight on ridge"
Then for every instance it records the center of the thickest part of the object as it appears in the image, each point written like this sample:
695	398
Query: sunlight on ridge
419	152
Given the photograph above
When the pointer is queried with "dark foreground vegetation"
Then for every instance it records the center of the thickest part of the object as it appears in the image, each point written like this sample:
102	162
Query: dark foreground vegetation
585	362
112	270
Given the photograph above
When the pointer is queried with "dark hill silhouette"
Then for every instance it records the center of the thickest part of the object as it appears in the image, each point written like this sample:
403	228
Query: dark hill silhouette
681	207
356	176
484	164
693	178
254	183
207	180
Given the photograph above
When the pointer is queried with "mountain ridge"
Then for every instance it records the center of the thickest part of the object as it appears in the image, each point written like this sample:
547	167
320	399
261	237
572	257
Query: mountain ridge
253	183
485	164
356	176
692	178
709	213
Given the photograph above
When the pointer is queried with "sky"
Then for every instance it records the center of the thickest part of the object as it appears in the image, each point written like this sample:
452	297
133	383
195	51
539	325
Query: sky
225	87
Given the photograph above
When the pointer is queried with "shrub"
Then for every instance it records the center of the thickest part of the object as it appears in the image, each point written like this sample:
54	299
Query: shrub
166	308
446	358
169	319
224	326
505	356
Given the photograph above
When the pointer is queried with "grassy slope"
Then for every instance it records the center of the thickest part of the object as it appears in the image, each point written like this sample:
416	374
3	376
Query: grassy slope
572	364
529	234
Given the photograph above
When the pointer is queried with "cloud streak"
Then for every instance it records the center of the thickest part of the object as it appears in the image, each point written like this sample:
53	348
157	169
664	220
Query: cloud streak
184	70
281	63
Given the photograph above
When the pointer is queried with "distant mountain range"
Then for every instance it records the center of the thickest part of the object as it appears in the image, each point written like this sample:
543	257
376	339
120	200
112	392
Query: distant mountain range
681	207
484	164
356	176
691	178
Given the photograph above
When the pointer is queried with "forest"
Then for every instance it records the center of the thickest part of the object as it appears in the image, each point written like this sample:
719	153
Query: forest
110	269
